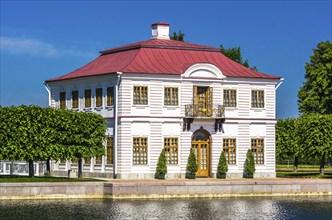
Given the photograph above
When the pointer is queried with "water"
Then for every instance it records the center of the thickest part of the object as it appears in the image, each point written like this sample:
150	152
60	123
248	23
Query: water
226	208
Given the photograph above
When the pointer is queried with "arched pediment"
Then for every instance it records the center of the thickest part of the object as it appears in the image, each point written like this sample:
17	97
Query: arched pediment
204	70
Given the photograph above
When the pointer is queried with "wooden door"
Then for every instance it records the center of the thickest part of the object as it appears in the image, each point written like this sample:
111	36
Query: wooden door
201	149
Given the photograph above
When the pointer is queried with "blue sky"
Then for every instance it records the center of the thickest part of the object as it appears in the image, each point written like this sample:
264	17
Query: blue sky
45	39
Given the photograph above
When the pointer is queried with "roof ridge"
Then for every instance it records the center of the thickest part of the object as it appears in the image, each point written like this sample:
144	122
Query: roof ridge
161	44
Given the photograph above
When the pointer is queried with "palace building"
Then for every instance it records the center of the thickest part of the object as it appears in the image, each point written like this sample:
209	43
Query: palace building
162	93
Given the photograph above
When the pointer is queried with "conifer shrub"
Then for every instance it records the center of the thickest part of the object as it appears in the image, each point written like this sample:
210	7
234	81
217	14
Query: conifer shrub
249	165
161	166
222	166
192	166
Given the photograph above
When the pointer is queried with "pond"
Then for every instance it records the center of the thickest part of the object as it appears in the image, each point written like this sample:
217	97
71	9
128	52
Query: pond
224	208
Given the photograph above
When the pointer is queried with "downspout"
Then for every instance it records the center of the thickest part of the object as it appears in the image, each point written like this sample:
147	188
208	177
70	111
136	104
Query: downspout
49	93
49	161
115	154
279	84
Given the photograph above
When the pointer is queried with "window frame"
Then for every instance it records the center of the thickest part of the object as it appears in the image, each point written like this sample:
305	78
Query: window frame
87	99
110	96
230	149
140	100
75	99
109	150
99	97
259	152
259	100
62	100
140	158
171	96
229	98
170	149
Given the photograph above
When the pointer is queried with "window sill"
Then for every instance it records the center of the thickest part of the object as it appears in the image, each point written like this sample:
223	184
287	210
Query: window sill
75	109
109	107
98	108
257	109
171	107
140	106
231	108
89	109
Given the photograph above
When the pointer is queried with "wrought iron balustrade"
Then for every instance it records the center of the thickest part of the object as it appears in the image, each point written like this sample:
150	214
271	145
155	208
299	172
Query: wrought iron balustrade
196	111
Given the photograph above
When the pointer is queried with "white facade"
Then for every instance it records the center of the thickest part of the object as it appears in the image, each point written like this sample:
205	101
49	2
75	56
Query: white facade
157	121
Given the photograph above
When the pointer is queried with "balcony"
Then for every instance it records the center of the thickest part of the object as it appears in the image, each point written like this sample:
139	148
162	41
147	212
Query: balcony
196	111
193	111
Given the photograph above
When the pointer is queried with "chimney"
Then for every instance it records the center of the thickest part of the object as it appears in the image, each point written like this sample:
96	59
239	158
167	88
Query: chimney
160	30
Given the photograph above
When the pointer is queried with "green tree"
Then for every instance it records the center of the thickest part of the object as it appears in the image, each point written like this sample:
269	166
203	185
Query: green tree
192	166
162	164
249	164
314	136
222	165
33	133
177	36
236	55
232	53
287	147
315	95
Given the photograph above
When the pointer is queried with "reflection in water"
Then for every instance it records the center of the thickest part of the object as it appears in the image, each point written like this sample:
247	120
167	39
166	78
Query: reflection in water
225	208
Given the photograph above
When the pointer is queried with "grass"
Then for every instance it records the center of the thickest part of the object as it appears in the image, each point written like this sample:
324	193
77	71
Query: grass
301	168
26	179
316	175
304	171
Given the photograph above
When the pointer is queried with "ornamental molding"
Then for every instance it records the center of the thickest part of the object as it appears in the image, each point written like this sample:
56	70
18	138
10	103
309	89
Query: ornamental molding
204	70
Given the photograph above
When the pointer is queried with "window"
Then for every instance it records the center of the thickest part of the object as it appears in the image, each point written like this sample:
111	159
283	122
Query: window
257	147
203	101
87	98
87	160
109	150
140	151
74	99
62	100
229	97
140	95
110	96
170	96
99	97
257	98
171	150
99	159
229	146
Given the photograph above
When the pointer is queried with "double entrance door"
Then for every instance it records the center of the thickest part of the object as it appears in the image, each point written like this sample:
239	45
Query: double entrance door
201	149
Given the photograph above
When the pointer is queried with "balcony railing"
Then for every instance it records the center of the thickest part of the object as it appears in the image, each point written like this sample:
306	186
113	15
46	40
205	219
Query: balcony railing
195	111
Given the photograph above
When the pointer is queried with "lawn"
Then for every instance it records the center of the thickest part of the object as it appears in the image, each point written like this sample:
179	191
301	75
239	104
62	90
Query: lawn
25	179
327	175
302	168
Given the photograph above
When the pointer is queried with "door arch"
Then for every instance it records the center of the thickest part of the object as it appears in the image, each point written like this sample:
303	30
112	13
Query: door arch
201	143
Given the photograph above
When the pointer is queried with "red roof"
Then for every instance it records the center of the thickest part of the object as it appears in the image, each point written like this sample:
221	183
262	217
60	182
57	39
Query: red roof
158	56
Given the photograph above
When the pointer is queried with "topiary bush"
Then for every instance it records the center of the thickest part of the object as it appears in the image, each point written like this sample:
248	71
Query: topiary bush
161	166
222	166
192	166
249	165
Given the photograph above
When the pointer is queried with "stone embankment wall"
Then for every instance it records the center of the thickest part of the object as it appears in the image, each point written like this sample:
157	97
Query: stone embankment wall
166	189
51	190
